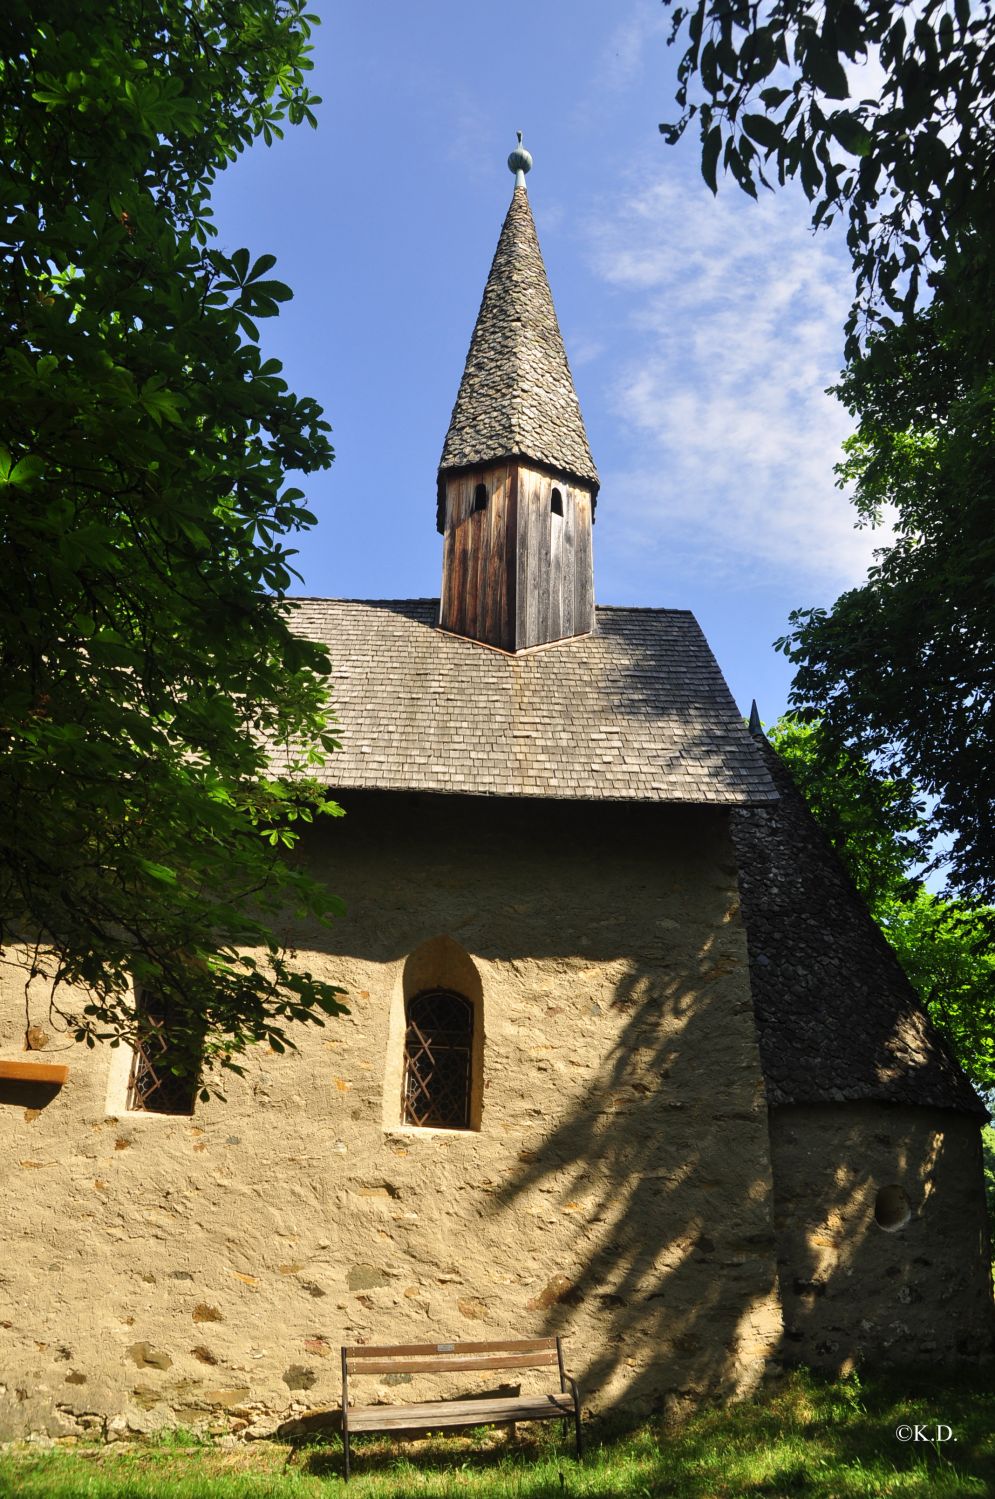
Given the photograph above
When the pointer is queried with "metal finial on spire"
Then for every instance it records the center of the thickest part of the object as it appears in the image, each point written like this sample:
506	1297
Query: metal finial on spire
519	162
756	727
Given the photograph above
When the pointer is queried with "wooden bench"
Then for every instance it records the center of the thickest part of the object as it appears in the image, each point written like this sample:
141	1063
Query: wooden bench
454	1358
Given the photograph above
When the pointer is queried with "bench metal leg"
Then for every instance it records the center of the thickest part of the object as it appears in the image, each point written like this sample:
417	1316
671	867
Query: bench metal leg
575	1391
345	1410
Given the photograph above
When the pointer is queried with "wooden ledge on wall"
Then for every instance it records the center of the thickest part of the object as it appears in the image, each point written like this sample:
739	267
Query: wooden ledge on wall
53	1073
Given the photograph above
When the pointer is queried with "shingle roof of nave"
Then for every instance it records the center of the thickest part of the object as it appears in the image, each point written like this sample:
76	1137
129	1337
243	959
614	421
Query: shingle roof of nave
837	1019
636	711
517	395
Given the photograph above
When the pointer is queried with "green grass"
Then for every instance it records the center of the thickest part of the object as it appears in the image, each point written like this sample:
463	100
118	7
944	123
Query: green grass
813	1437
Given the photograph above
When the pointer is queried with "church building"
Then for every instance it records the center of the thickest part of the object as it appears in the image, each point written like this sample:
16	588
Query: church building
626	1059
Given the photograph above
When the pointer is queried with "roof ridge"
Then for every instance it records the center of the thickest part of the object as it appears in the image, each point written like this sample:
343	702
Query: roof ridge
329	598
641	609
336	598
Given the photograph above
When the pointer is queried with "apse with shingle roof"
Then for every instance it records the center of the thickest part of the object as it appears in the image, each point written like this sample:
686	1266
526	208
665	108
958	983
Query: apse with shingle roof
837	1019
517	483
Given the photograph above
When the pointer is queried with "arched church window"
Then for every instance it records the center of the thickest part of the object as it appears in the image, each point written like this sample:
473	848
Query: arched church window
556	502
480	497
153	1086
438	1045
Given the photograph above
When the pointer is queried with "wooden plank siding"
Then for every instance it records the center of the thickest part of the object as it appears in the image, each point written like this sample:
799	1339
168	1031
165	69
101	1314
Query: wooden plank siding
477	557
583	561
537	521
555	562
516	575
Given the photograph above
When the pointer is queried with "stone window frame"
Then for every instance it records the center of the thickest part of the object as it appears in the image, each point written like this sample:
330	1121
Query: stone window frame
125	1060
439	963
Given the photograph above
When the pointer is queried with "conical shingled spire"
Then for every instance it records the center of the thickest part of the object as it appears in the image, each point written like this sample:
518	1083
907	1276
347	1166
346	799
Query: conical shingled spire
517	396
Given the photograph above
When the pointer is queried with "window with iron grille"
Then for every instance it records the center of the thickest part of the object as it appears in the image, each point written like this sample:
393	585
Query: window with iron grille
438	1047
153	1087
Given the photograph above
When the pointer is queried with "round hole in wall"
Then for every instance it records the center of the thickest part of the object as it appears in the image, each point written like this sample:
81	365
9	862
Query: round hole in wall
892	1209
480	497
556	502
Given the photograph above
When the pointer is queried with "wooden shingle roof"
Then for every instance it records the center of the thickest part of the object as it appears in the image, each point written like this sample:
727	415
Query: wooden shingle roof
837	1019
636	711
517	397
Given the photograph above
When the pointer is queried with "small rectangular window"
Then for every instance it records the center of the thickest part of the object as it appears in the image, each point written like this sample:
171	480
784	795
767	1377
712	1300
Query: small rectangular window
153	1086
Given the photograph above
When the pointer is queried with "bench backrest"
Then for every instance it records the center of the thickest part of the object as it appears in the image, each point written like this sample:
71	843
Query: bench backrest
450	1358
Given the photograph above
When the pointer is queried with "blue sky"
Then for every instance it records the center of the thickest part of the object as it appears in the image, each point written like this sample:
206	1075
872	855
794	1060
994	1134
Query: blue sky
701	333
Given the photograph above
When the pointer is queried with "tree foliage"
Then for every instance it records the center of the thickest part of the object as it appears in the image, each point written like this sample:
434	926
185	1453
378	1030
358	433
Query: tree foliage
876	826
988	1167
144	511
901	669
908	169
945	948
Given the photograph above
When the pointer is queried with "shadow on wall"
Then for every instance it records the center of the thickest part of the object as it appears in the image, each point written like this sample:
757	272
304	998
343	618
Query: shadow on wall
882	1248
660	1164
882	1235
29	1096
641	1195
879	1222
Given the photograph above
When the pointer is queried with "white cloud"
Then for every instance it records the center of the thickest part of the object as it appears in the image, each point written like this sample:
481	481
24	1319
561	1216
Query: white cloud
735	314
585	350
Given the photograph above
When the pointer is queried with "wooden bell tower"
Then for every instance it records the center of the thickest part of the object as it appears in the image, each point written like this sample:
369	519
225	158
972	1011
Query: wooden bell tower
517	483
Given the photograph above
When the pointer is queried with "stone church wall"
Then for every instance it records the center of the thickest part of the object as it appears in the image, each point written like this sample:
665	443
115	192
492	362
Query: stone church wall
882	1234
163	1269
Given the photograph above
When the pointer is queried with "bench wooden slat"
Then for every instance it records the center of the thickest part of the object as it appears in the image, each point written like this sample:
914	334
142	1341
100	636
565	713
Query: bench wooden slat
401	1350
443	1363
438	1413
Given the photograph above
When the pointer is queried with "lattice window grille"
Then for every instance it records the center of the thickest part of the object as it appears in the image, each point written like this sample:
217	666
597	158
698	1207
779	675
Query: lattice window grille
152	1086
437	1061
